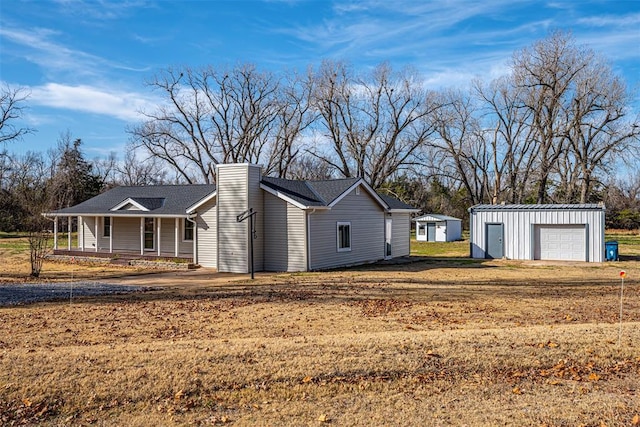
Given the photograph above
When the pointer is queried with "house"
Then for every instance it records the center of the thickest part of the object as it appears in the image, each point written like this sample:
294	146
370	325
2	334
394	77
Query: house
297	225
438	228
572	232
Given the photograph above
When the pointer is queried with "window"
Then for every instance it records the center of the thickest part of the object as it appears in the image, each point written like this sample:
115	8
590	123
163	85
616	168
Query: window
149	233
420	229
106	226
187	231
344	236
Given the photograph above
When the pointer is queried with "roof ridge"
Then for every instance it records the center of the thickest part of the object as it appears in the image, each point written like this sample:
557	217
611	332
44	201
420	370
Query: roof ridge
315	193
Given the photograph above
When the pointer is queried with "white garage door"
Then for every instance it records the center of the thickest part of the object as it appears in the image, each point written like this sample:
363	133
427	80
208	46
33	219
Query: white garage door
560	242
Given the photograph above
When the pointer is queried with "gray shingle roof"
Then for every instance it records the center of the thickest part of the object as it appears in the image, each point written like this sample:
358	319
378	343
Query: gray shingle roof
159	199
310	193
395	203
322	193
547	207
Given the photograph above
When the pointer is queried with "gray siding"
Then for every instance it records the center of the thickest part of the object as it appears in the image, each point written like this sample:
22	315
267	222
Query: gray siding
284	236
207	233
103	242
168	237
126	234
238	185
256	201
519	230
400	234
367	232
88	225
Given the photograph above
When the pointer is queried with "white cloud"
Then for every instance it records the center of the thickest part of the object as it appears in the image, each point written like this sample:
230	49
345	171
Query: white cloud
37	46
118	104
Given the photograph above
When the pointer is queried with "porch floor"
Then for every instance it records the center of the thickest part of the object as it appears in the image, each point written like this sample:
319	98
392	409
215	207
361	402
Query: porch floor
127	255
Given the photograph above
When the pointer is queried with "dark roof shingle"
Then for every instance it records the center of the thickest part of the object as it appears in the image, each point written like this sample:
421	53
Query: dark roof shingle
158	199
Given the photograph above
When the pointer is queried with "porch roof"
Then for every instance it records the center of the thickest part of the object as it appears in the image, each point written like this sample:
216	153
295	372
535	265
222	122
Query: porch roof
152	200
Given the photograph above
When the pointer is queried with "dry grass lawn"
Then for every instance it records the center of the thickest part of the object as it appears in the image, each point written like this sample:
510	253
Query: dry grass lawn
430	343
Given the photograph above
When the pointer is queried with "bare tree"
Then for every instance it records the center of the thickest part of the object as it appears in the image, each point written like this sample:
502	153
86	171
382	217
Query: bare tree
134	171
216	115
513	149
376	124
546	73
598	130
461	147
12	109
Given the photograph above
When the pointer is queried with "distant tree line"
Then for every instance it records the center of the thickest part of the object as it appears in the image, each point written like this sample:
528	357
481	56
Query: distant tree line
558	128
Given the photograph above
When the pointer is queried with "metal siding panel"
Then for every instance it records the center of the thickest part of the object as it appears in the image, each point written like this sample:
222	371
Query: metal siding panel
367	232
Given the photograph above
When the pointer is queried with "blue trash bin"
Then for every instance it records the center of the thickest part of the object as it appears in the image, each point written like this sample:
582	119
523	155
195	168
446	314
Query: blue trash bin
611	251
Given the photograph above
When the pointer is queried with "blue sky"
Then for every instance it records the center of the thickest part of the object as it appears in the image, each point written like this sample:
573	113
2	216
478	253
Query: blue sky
85	62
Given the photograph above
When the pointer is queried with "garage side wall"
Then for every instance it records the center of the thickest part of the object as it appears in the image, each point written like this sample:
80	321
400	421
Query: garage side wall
400	234
518	236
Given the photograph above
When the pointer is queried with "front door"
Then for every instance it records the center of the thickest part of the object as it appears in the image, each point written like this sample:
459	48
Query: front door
495	245
388	227
431	232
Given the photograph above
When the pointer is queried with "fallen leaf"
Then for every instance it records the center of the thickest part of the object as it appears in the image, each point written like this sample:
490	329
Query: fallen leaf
636	420
551	344
516	390
26	402
593	376
323	418
307	379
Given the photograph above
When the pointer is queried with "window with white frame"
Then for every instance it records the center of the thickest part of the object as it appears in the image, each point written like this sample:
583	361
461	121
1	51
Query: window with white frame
149	233
421	229
344	236
106	226
187	234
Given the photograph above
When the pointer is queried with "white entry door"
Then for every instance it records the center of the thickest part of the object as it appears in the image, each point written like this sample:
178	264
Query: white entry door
560	242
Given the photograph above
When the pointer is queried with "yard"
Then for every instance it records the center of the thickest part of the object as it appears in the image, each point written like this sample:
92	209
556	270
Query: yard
443	341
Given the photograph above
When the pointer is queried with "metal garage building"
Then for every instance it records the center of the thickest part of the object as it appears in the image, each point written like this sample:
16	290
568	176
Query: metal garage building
544	232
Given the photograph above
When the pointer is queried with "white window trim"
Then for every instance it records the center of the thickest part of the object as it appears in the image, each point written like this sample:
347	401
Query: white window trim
185	221
338	224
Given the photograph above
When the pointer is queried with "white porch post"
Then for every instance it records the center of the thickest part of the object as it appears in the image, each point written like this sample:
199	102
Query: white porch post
69	233
158	230
95	227
110	234
176	229
55	234
141	235
81	234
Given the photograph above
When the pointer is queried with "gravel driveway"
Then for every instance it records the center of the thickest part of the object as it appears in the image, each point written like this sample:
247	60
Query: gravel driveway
25	293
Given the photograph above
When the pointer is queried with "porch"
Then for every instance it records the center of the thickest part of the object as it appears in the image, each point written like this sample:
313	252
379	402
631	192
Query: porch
124	258
127	237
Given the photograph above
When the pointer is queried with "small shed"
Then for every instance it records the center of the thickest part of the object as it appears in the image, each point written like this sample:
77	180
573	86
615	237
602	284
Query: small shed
438	228
568	232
